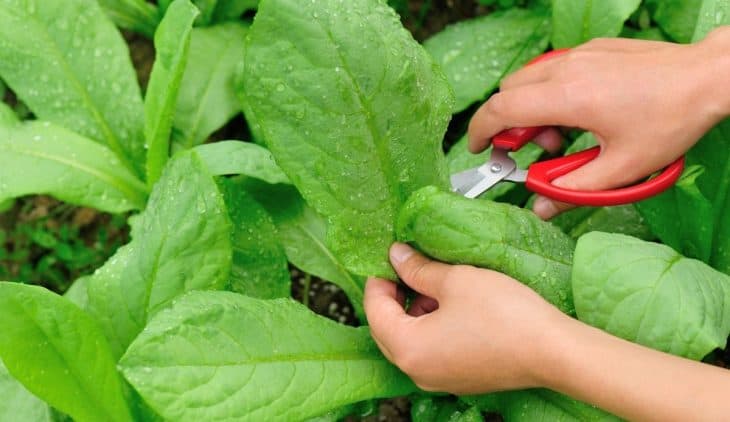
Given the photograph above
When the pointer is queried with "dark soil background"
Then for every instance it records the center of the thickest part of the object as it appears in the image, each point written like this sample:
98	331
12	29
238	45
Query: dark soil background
44	241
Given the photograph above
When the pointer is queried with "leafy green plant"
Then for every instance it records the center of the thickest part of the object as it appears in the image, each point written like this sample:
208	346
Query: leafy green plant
191	319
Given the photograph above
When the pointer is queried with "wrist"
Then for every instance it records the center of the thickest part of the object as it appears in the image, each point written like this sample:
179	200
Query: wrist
715	63
553	348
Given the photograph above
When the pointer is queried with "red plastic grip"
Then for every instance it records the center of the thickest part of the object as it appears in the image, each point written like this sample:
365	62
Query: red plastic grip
540	176
515	138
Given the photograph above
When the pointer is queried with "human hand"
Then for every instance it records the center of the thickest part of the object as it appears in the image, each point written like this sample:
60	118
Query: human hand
647	103
470	330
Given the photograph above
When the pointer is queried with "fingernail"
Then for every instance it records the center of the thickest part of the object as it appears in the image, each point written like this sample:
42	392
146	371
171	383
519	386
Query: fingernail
544	207
400	252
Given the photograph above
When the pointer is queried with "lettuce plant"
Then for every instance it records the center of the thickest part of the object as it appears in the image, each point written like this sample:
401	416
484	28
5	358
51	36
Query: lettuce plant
192	319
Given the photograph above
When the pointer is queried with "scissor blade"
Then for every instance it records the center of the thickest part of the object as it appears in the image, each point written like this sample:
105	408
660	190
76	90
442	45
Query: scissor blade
463	181
474	182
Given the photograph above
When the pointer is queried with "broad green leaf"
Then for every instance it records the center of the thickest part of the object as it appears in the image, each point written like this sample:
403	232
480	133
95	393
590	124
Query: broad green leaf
273	359
236	157
713	13
259	266
19	404
682	217
136	15
694	215
76	294
181	242
438	409
207	98
649	294
7	115
578	21
624	219
59	353
302	232
353	110
172	40
545	405
502	237
460	159
677	18
476	54
42	158
70	65
651	34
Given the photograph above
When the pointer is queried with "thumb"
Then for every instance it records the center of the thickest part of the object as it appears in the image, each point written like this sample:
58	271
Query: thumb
608	171
420	273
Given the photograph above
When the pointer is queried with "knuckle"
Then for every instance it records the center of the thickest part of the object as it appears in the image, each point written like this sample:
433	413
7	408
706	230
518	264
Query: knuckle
496	104
419	272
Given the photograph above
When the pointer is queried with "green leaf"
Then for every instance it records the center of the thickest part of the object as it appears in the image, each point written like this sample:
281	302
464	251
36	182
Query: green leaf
459	159
476	54
713	13
59	353
207	96
232	9
649	294
651	34
502	237
259	268
76	294
353	110
694	215
42	158
546	405
624	219
275	360
19	404
682	217
236	157
677	18
302	232
172	40
135	15
578	21
80	78
181	242
7	115
438	409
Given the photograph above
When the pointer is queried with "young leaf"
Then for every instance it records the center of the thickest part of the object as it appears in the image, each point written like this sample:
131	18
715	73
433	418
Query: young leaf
302	232
274	359
79	78
246	158
578	21
181	242
353	110
59	353
502	237
677	18
136	15
172	40
19	404
713	13
649	294
42	158
259	266
624	219
460	159
476	54
207	99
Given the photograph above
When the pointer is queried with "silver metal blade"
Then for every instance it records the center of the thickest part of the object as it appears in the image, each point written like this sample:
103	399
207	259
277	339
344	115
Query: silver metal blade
474	182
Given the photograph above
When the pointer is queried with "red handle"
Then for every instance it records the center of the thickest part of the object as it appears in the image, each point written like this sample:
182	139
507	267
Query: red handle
540	176
515	138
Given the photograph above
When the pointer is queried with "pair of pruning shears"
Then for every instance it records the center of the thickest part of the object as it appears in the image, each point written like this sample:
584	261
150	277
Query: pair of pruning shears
539	176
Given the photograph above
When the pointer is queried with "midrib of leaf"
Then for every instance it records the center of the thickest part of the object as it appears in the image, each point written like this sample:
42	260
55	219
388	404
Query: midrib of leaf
383	156
119	184
206	94
294	358
328	254
112	141
153	275
73	369
586	20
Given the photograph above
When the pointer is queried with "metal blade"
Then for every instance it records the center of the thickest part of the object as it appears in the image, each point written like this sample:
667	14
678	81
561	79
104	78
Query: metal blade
474	182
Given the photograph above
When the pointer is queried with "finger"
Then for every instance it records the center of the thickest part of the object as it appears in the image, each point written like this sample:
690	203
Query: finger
420	273
545	104
546	208
386	316
538	72
550	140
422	305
